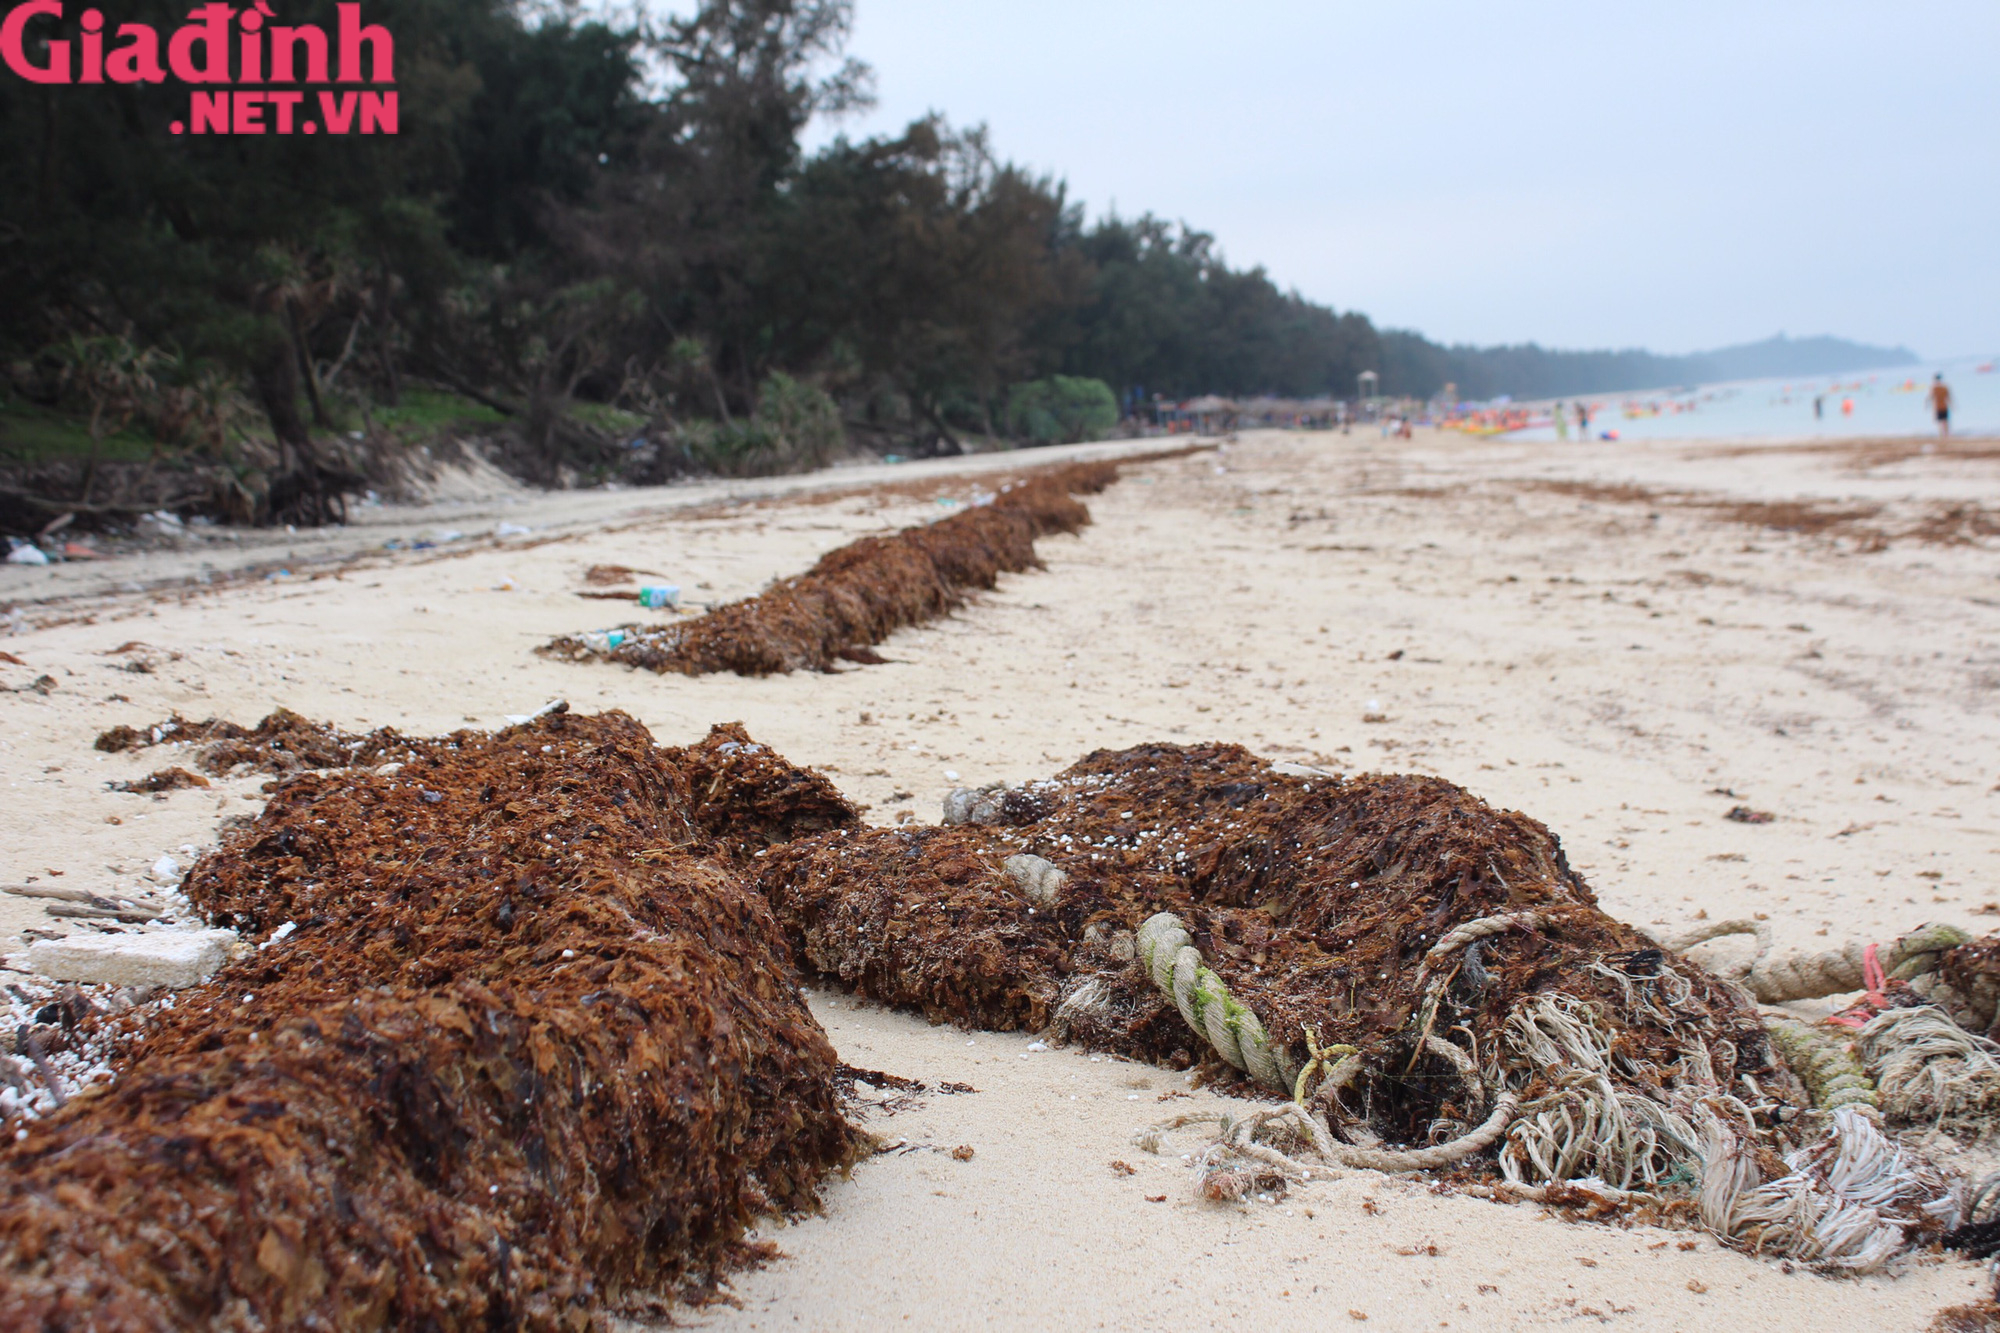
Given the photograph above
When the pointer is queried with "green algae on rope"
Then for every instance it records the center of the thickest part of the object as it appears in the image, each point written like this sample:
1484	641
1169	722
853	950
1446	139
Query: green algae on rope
1824	1061
1204	1000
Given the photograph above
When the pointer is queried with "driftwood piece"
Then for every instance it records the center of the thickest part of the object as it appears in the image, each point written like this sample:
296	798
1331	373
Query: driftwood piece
83	904
131	916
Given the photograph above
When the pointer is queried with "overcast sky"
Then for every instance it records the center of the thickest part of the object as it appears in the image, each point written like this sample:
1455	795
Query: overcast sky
1677	176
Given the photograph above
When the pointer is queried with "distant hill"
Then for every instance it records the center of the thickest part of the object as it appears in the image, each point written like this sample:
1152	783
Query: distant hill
1532	371
1777	357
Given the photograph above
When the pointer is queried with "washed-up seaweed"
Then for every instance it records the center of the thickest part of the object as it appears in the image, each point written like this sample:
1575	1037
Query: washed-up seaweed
552	965
1315	898
284	742
532	1043
1423	980
1970	984
162	780
860	593
176	729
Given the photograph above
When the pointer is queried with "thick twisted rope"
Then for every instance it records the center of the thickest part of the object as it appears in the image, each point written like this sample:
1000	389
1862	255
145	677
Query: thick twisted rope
1167	952
1239	1136
1811	976
1431	981
1467	931
1824	1062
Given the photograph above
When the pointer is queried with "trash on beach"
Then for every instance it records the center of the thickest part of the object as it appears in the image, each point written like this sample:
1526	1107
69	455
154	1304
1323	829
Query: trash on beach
1427	986
175	959
552	706
1743	814
511	530
25	553
657	596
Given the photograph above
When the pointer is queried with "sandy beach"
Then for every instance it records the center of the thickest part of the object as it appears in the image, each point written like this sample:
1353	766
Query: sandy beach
1623	641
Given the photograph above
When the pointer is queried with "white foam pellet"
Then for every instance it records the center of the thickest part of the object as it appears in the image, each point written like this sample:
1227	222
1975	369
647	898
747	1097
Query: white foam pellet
173	958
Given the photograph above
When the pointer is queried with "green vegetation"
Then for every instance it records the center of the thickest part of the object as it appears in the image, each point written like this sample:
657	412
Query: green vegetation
420	412
612	420
588	232
1061	409
591	232
34	434
795	427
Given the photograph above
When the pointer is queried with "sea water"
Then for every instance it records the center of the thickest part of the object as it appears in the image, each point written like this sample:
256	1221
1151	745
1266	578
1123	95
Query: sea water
1891	401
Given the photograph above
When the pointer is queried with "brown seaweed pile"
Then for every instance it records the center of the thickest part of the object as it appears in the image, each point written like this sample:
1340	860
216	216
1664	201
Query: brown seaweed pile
1969	985
860	593
1316	898
532	1043
162	780
284	742
525	1036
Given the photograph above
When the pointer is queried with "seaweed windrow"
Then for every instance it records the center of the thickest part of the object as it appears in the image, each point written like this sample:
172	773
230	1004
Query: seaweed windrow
1316	898
860	593
532	1042
535	1037
284	742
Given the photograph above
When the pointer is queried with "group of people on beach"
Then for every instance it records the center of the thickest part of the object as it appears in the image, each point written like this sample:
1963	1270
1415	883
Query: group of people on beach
1581	410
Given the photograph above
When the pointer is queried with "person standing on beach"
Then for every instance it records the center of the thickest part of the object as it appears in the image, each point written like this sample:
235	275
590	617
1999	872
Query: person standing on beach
1562	422
1582	420
1941	404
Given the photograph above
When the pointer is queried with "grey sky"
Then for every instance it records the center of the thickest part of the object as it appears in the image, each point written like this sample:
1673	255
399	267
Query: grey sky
1674	176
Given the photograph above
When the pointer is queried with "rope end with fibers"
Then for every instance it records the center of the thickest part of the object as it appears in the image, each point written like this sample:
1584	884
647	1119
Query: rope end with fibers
1928	1068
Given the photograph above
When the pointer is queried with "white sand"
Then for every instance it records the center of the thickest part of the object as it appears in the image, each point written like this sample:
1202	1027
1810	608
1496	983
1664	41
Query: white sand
1578	659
